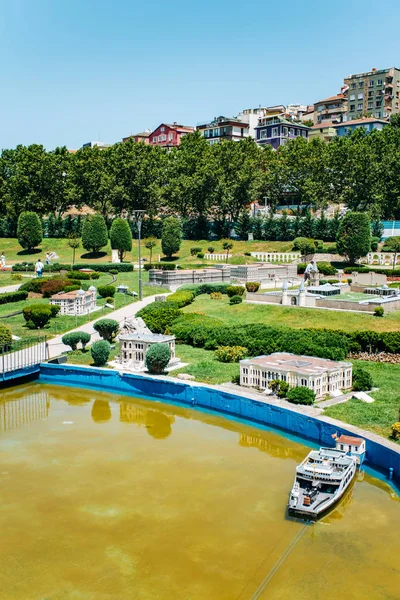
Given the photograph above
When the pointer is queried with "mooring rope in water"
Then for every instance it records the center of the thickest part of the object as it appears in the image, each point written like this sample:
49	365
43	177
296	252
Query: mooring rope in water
279	563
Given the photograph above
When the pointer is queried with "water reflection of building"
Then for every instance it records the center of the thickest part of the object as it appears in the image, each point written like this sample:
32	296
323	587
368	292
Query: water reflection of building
101	411
18	413
277	447
157	423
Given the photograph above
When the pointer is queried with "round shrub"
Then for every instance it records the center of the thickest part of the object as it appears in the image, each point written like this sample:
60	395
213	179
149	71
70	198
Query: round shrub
54	309
16	277
37	316
211	249
362	380
5	335
304	245
107	328
112	271
235	290
229	354
157	358
72	339
194	251
100	352
379	311
300	395
236	300
216	296
182	298
106	290
85	339
110	300
252	286
236	379
95	275
200	255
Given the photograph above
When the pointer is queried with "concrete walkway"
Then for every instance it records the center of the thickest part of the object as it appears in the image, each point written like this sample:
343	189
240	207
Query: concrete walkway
56	347
9	288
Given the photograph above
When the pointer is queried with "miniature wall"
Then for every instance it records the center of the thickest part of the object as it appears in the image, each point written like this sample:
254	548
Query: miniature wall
316	429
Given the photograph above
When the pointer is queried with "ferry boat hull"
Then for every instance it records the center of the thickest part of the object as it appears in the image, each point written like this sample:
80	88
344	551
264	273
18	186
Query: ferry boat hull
321	481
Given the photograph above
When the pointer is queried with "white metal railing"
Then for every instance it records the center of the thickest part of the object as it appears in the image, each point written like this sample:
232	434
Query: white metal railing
276	256
213	256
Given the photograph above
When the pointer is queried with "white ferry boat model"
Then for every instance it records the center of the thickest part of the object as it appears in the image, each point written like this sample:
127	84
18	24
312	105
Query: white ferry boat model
321	480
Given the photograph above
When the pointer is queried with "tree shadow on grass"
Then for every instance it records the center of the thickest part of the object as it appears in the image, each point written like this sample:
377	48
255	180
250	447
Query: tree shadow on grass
169	258
93	255
29	252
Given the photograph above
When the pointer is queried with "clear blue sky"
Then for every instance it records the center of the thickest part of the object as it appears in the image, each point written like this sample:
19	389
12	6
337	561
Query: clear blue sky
73	71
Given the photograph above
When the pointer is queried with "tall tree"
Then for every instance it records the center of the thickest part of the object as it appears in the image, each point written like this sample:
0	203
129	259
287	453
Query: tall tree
354	236
171	236
121	237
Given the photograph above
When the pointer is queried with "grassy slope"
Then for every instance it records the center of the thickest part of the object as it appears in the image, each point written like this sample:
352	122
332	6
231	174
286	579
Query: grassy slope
14	252
204	366
380	415
272	314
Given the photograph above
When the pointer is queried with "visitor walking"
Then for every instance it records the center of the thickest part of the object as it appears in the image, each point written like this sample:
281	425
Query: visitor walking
39	268
3	260
47	258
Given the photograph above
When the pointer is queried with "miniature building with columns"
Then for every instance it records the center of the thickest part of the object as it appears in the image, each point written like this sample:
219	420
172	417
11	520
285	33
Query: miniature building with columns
321	375
135	338
77	302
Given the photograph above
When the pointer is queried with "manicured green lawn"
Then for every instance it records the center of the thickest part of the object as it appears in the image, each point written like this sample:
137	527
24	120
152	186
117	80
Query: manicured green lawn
203	365
379	416
77	357
271	314
14	252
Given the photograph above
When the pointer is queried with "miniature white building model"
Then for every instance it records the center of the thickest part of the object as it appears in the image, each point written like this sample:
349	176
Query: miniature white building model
135	339
321	375
354	445
77	302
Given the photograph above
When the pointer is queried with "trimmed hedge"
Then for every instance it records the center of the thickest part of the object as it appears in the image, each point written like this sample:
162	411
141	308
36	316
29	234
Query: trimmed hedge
236	300
206	288
71	339
105	267
182	298
106	291
230	354
235	290
158	316
100	352
387	272
17	296
107	328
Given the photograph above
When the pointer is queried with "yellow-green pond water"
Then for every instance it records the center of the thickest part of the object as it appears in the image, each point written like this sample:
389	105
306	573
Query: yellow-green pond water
108	497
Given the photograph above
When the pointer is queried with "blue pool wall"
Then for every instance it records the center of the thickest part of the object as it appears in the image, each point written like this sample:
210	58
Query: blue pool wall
315	429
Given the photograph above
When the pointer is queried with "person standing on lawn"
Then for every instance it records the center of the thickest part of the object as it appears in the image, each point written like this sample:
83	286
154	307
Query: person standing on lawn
3	260
47	258
39	268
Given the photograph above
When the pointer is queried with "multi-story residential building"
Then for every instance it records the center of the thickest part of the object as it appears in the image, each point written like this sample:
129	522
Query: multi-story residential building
277	130
224	128
327	131
374	93
369	124
143	136
251	117
331	109
169	136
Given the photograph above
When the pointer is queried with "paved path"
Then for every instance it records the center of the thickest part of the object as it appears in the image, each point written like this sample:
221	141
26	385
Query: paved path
9	288
56	347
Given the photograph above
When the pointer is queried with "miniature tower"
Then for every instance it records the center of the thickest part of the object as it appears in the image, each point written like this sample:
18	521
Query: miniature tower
302	294
314	278
285	299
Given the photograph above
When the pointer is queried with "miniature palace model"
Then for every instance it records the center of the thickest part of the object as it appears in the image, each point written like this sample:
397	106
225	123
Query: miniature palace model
135	339
321	375
77	302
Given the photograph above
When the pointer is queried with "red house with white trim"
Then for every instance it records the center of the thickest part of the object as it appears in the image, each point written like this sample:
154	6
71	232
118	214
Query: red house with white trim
169	136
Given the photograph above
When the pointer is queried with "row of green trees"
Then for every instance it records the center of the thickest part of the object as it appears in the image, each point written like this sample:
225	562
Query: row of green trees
199	181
